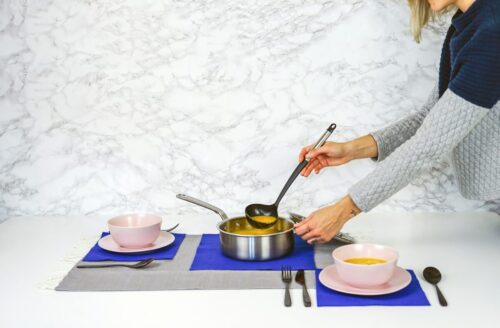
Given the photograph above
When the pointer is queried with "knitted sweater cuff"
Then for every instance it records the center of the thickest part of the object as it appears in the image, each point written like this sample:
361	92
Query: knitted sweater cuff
383	148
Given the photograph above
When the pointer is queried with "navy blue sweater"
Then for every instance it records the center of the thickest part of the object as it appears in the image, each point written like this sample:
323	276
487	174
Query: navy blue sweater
470	59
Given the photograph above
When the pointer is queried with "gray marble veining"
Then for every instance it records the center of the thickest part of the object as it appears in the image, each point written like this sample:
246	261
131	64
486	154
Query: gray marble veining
113	106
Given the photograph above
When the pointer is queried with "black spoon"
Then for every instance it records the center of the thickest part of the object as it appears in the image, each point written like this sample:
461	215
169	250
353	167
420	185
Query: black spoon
433	276
254	210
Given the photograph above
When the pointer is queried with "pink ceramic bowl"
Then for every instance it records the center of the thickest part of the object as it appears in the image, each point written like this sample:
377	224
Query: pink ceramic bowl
135	230
362	275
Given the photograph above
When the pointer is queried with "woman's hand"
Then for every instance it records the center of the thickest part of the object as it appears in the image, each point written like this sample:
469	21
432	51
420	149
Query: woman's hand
330	154
322	225
337	153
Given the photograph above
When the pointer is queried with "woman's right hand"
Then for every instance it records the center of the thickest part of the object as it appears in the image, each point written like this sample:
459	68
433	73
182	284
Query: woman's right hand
330	154
337	153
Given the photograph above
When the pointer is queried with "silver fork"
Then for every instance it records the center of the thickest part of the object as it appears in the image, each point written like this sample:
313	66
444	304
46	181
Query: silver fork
173	228
286	276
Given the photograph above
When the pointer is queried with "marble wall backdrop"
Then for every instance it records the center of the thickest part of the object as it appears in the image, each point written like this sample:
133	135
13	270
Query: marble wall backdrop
109	106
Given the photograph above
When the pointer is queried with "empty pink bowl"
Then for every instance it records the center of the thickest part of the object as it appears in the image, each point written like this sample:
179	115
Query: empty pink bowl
135	230
362	275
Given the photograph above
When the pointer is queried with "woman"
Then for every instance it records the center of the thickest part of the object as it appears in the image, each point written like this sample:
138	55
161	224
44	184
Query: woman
461	116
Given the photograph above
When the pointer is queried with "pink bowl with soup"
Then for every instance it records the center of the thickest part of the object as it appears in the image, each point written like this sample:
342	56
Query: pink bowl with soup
365	275
135	230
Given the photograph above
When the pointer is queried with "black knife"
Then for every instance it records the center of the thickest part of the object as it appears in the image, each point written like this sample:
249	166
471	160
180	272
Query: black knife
301	280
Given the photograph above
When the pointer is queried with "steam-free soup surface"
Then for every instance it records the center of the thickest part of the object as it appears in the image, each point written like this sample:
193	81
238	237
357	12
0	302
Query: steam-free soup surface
241	226
255	232
364	260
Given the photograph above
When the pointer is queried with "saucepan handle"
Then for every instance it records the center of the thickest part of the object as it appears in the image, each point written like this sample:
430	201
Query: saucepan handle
206	205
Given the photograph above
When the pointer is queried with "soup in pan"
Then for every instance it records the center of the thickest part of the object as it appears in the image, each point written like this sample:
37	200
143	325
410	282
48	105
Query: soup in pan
241	226
255	231
364	260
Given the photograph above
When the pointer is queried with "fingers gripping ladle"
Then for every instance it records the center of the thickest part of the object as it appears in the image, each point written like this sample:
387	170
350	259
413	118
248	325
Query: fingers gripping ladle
263	216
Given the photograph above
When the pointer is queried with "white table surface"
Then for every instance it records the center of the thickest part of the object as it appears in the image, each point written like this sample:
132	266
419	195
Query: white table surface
464	246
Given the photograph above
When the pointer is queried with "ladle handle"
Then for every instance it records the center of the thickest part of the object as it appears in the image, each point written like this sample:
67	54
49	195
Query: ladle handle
291	179
201	203
324	137
321	141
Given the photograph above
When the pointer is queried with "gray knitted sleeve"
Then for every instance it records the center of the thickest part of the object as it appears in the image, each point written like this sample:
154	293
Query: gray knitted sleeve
449	121
394	135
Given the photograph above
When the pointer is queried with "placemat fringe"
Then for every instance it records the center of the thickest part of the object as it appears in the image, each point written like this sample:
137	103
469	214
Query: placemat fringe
63	266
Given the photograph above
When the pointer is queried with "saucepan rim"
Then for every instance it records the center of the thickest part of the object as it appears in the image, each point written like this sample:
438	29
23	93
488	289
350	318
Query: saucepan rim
252	236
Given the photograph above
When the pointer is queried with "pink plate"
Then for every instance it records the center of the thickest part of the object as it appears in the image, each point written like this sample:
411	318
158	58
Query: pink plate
165	239
330	278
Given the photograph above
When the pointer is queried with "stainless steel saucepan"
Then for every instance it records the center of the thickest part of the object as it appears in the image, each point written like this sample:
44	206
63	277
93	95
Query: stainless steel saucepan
240	240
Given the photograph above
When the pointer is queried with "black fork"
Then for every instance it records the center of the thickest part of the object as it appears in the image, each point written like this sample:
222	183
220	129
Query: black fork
286	276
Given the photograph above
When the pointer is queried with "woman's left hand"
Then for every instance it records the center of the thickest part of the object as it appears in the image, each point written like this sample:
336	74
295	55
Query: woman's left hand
322	225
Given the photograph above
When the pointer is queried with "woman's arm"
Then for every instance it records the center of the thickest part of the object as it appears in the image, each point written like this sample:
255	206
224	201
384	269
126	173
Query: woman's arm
394	135
377	145
451	119
337	153
473	89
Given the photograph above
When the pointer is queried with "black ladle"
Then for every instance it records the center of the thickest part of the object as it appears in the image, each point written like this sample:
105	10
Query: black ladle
254	210
433	276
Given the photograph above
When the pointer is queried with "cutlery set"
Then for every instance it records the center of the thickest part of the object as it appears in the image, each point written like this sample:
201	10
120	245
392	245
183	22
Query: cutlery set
286	277
431	275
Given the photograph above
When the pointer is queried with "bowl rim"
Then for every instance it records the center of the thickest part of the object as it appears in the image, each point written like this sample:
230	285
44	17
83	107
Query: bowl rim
138	226
387	262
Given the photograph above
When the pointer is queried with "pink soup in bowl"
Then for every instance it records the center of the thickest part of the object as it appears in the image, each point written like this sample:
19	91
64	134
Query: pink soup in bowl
135	230
379	264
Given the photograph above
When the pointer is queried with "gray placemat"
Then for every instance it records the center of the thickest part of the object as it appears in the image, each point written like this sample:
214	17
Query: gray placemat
175	275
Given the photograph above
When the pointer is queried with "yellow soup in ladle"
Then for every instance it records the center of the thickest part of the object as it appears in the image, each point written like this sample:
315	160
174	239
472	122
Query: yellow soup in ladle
364	260
264	219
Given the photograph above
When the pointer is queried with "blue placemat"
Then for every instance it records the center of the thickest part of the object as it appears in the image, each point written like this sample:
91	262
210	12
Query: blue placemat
411	295
96	253
209	257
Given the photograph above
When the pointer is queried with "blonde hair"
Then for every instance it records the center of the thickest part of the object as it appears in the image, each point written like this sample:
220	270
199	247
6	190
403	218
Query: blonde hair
421	12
